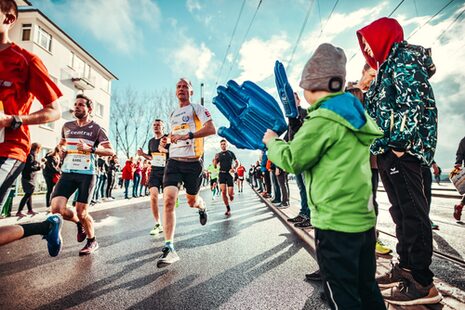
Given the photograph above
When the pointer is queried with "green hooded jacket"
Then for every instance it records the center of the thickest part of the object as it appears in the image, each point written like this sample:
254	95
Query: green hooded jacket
332	149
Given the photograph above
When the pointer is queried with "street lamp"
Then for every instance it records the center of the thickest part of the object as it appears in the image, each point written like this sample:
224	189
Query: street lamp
201	94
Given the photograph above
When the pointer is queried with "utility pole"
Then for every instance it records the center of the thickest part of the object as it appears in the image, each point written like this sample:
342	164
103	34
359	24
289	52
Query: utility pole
201	94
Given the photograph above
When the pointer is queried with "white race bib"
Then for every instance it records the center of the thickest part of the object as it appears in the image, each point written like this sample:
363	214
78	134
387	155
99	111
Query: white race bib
158	159
77	161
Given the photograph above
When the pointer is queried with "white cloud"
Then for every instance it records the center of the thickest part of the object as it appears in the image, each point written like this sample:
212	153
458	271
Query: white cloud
191	59
257	57
113	22
193	5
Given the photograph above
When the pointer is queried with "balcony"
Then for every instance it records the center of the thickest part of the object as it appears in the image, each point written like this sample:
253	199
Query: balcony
83	83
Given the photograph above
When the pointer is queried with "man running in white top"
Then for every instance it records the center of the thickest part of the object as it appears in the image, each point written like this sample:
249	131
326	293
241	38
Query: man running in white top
190	123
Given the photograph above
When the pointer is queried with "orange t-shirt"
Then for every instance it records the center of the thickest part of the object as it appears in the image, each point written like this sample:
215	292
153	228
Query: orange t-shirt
23	77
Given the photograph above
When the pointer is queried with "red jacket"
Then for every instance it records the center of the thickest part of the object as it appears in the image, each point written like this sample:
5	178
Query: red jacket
127	171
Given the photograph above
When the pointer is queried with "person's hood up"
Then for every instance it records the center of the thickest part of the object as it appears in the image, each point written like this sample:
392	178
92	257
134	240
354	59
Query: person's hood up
381	36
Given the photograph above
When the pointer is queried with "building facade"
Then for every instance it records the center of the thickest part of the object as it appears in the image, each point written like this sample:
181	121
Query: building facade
70	66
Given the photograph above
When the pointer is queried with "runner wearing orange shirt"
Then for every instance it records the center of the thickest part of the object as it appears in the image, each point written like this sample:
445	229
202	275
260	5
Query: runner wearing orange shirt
23	77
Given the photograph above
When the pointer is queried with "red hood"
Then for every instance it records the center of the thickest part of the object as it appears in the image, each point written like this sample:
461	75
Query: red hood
380	35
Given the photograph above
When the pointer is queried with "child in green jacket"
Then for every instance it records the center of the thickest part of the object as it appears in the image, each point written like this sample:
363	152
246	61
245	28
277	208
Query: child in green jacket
332	151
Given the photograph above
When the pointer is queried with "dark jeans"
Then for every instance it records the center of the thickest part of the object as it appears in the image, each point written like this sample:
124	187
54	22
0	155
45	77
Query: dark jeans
348	265
135	185
403	182
96	191
277	192
304	209
110	184
101	185
283	186
267	178
126	188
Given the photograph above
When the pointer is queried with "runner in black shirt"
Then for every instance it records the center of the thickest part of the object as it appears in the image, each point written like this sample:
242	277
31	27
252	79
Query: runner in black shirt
157	154
225	159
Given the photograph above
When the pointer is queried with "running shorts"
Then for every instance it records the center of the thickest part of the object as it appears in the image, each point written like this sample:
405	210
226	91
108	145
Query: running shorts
188	173
70	182
226	178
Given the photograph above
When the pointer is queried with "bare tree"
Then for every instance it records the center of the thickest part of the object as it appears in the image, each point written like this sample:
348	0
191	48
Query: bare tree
132	116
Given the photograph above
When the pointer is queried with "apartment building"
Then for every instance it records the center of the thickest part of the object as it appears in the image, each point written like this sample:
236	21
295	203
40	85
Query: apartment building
72	68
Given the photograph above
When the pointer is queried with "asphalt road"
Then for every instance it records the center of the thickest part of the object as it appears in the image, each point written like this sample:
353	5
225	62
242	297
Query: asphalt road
248	261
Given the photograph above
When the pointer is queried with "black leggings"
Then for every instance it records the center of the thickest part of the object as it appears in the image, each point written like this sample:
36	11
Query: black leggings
25	200
50	186
110	184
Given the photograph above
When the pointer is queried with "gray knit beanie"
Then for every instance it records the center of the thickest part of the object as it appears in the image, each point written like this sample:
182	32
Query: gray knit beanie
325	70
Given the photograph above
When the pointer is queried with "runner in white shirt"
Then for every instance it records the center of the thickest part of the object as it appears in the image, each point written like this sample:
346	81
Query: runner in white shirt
190	123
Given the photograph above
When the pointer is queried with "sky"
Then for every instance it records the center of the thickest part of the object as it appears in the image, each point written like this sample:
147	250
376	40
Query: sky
150	44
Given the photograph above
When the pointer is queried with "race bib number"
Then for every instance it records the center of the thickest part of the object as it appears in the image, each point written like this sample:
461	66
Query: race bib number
158	159
182	129
77	161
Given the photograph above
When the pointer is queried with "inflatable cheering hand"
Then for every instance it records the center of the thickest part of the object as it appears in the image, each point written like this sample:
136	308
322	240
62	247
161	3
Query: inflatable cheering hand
250	111
286	94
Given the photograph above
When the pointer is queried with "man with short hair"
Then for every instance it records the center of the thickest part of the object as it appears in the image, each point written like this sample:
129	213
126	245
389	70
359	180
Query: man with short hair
225	159
158	155
190	123
83	139
213	172
23	77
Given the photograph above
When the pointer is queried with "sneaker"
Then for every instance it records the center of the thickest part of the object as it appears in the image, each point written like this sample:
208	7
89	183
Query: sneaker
391	278
409	292
458	212
228	211
54	240
20	214
434	226
304	224
156	230
314	276
275	201
299	218
168	257
283	206
81	233
32	212
203	216
89	248
381	248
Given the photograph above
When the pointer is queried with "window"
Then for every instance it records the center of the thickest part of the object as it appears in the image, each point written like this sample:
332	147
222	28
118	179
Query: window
27	28
99	109
44	39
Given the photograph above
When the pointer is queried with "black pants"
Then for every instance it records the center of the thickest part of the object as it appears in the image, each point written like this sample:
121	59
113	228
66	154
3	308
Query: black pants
110	184
267	178
348	265
49	181
26	200
403	182
374	187
427	181
283	186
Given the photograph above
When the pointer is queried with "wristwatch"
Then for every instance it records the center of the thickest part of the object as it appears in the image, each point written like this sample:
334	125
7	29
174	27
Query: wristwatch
16	122
191	135
93	149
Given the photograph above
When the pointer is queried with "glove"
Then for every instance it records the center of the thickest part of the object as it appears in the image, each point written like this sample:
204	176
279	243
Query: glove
250	111
286	94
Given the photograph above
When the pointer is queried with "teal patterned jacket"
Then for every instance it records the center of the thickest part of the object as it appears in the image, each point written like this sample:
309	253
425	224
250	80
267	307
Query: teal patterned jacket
401	101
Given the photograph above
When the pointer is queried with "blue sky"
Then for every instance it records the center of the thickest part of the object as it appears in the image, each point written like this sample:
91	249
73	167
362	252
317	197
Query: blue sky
150	44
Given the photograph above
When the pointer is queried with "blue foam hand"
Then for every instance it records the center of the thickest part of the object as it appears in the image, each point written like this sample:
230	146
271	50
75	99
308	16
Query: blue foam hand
286	94
250	111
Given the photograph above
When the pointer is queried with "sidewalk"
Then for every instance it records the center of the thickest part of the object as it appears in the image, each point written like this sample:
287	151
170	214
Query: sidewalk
453	298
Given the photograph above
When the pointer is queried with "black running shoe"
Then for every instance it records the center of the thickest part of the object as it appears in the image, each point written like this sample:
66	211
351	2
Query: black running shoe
304	224
81	233
314	276
167	258
89	248
299	218
203	216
